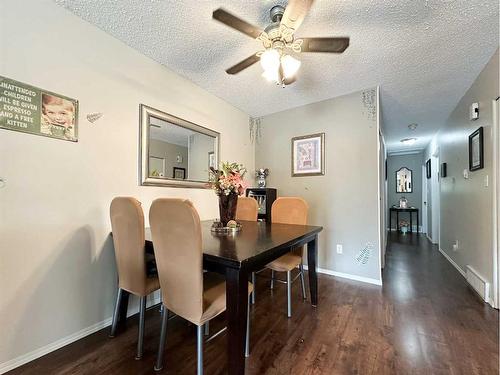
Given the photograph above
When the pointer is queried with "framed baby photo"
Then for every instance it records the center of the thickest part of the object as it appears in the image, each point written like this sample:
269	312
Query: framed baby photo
476	150
308	155
29	109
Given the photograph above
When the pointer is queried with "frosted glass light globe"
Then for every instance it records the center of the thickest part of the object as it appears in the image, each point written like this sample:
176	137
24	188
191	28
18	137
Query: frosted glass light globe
289	65
270	59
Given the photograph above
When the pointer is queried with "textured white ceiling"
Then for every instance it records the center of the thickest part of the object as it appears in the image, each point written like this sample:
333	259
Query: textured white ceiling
424	54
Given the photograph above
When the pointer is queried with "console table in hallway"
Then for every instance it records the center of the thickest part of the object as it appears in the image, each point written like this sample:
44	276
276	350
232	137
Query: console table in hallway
410	210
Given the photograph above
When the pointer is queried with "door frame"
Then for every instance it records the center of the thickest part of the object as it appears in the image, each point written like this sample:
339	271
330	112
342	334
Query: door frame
496	204
436	198
424	200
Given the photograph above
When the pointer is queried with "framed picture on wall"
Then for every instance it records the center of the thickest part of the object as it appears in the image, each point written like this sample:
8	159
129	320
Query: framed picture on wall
428	168
308	155
444	170
476	151
179	173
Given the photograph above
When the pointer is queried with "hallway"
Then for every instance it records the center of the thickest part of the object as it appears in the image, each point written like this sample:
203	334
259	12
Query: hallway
438	320
424	320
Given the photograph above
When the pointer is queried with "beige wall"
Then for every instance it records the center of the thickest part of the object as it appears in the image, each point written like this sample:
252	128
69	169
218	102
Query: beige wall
345	200
57	267
466	204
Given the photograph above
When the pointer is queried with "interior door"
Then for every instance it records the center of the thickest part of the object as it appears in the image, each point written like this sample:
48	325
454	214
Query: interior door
424	200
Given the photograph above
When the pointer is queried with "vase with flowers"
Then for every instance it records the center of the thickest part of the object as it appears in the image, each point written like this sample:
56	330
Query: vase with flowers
228	184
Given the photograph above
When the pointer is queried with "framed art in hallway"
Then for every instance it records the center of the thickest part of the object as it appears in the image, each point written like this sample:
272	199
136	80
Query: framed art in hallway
428	168
308	155
476	150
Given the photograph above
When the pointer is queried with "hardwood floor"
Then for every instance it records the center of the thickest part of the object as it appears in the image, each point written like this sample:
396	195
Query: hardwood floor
424	320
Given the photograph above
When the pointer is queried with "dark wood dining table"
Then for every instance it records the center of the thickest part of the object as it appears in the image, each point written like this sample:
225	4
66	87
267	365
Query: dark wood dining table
237	255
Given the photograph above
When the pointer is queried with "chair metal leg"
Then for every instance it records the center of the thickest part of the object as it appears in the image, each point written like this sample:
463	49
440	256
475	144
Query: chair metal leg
199	346
140	338
253	292
163	338
116	313
289	292
272	279
207	328
302	282
247	342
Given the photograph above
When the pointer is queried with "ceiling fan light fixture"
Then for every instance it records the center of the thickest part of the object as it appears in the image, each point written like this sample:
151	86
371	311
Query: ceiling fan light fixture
270	60
271	75
289	65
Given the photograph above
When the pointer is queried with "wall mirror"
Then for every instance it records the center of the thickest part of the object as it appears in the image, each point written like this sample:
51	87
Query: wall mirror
175	152
403	180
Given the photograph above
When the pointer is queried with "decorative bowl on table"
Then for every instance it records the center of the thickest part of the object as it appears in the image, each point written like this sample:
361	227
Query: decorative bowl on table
231	227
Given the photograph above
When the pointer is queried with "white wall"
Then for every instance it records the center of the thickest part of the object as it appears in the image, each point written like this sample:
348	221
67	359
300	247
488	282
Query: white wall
467	204
345	200
57	267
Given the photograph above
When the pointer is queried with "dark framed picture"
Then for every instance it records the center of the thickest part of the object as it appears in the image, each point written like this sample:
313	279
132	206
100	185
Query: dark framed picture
308	155
444	170
386	169
476	150
428	168
179	173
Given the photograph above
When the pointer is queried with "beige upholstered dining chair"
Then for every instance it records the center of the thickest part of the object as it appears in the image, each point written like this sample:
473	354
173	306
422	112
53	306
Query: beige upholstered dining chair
187	291
248	210
127	223
289	210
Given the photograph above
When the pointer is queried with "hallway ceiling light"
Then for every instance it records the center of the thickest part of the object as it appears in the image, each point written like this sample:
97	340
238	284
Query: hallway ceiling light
408	141
412	126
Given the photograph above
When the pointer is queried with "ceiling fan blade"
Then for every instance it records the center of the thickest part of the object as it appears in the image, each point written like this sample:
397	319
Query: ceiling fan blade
295	12
243	64
236	23
328	45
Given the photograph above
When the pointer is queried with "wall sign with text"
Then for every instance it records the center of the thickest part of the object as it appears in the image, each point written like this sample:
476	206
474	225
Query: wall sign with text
32	110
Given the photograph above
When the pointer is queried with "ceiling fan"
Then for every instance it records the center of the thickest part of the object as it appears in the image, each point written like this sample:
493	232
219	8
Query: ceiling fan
278	41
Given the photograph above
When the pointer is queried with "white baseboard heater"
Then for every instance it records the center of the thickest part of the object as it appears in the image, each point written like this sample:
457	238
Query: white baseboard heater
478	283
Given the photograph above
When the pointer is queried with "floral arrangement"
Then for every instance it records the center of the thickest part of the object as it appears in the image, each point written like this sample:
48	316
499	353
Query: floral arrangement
228	179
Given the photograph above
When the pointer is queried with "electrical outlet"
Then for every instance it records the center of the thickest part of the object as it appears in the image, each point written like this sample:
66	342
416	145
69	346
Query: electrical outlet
339	249
455	246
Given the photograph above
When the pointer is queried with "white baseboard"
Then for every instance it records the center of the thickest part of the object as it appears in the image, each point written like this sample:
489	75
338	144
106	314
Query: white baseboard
37	353
462	272
347	276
